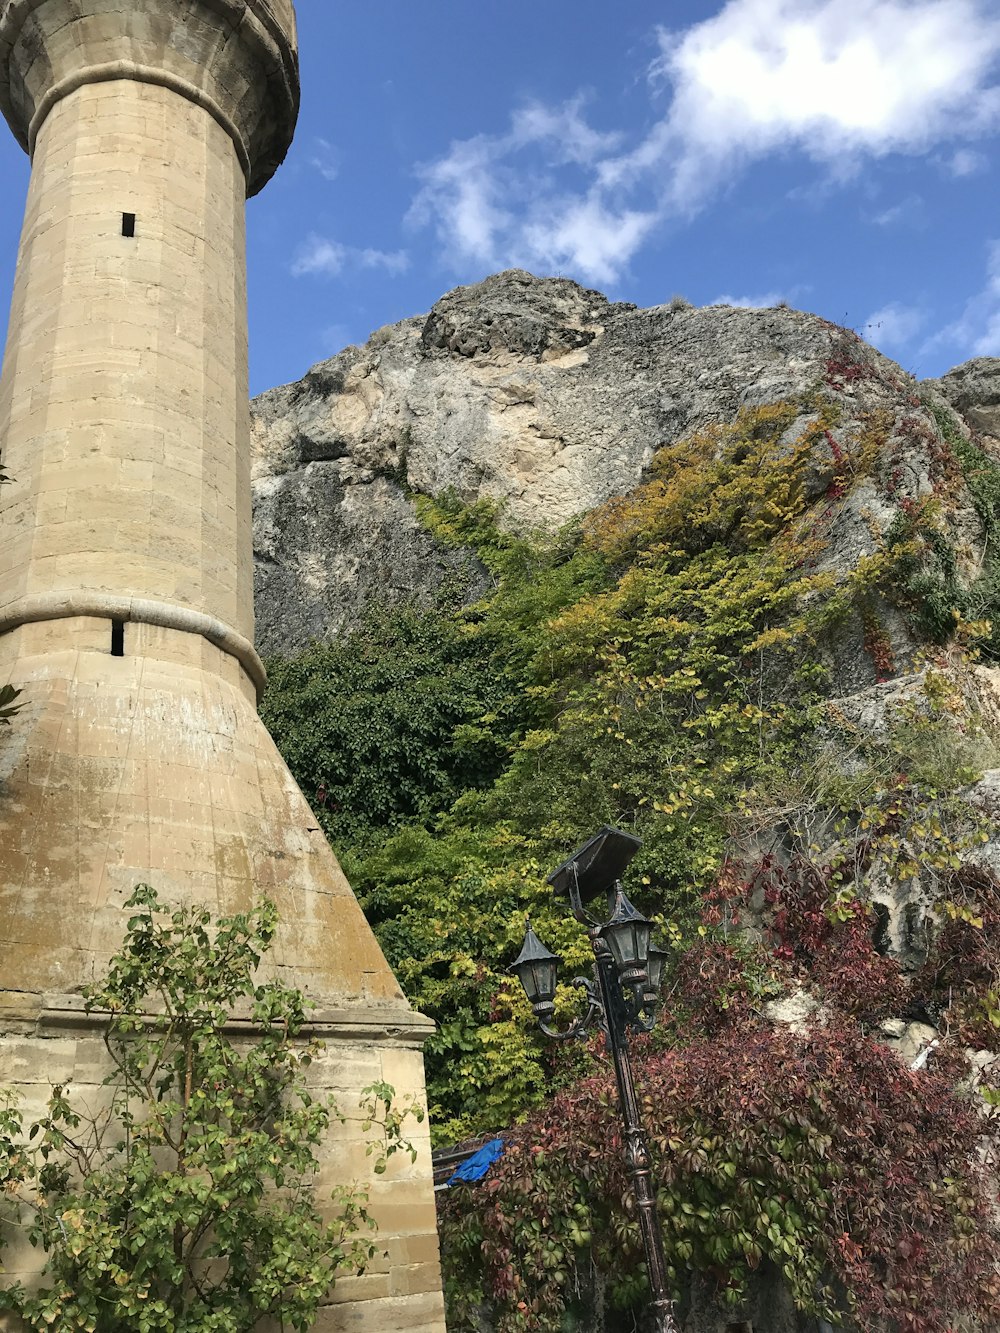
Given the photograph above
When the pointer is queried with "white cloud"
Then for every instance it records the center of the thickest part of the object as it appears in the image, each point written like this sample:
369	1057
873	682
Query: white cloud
838	80
908	212
967	162
833	78
976	332
762	301
325	159
894	326
585	235
320	257
564	130
890	216
461	197
500	200
392	261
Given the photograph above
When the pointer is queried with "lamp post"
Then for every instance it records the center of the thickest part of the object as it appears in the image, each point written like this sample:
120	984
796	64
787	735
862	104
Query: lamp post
620	998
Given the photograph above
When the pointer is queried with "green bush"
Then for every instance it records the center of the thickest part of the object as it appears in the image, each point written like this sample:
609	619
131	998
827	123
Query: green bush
391	723
185	1202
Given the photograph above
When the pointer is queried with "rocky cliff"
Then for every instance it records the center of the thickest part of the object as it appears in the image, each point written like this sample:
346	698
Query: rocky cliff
547	399
768	646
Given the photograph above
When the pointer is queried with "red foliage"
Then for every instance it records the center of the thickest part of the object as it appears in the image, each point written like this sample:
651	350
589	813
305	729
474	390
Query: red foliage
866	1183
879	648
841	370
835	449
825	943
765	1140
963	968
839	482
893	484
710	987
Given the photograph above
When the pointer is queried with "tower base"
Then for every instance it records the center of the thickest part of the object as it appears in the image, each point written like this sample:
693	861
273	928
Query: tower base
154	767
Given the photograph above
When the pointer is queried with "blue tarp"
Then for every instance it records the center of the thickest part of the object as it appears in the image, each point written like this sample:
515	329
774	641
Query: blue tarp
476	1166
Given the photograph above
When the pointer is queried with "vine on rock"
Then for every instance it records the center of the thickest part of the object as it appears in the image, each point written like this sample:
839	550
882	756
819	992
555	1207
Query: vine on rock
688	662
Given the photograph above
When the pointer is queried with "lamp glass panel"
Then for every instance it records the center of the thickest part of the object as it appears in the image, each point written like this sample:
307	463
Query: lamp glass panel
654	966
536	968
543	980
526	976
629	940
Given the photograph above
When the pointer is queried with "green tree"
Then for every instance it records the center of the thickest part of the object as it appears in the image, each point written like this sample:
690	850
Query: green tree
187	1202
391	723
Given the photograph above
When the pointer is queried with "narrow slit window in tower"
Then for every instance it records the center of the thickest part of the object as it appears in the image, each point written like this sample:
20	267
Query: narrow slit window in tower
128	224
118	638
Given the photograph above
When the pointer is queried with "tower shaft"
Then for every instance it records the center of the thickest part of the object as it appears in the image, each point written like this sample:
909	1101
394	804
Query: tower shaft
124	391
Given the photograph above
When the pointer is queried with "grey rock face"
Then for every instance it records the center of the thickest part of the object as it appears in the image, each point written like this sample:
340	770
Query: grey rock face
557	318
546	398
332	540
973	390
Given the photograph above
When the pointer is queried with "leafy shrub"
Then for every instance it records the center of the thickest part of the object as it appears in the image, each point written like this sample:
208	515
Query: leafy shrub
817	1153
811	1150
391	723
186	1201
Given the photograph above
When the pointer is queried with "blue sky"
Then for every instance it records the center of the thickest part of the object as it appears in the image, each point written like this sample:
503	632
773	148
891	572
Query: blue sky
837	154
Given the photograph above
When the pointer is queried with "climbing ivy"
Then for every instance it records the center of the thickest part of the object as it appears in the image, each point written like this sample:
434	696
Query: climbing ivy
936	582
645	668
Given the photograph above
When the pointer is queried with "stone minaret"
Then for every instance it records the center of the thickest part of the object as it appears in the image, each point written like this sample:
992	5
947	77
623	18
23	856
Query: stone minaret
126	588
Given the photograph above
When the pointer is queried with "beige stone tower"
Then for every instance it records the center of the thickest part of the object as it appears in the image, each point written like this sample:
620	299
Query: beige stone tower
126	604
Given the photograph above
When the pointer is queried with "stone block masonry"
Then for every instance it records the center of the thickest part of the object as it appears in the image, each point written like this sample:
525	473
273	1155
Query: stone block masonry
126	603
125	394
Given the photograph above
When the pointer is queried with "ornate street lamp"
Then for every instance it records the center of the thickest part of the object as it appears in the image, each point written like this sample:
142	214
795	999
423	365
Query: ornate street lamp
536	970
621	998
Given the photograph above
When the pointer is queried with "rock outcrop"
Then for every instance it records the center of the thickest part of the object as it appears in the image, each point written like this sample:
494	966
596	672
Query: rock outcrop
973	390
545	398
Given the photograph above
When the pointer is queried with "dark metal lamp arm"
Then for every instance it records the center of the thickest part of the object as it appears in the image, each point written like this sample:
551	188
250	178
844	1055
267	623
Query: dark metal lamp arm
581	1025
